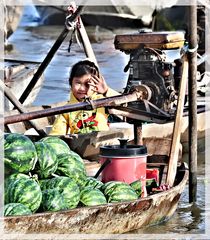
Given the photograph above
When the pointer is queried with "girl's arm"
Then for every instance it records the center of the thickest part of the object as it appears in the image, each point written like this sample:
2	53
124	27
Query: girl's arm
60	126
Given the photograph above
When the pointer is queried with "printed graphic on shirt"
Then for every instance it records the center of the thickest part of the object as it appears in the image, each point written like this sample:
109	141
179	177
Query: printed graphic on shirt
85	122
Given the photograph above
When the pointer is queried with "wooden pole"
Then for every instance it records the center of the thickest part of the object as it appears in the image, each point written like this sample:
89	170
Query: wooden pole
83	35
138	134
86	43
19	107
174	151
87	105
49	57
192	89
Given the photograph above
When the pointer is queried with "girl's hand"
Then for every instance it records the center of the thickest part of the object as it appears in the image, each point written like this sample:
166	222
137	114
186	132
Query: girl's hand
99	84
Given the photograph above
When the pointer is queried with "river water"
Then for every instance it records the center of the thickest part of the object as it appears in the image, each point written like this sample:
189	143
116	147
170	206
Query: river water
31	42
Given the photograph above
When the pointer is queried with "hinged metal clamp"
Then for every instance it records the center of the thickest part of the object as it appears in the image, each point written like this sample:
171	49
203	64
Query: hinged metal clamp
71	25
91	104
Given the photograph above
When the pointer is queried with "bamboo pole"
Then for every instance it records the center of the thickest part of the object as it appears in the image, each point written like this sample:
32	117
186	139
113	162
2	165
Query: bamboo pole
86	43
83	35
87	105
192	89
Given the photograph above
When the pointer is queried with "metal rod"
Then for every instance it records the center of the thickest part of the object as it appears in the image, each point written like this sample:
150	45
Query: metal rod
88	105
192	89
49	57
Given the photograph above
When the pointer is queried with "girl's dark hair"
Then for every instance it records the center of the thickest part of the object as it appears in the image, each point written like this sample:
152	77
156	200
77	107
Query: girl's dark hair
83	67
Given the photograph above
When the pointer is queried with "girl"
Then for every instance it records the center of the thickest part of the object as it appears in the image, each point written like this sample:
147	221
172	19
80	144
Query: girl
85	81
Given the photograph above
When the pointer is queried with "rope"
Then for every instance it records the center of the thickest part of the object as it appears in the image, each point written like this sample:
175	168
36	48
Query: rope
71	40
192	50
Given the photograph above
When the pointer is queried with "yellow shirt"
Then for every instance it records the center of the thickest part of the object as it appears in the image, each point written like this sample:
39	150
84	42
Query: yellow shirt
82	121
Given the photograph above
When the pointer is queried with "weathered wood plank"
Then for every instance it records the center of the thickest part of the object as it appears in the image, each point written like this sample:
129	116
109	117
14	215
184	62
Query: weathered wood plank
174	151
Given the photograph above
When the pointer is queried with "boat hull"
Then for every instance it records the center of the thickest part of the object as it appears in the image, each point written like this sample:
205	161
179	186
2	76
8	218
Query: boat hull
165	130
17	78
107	218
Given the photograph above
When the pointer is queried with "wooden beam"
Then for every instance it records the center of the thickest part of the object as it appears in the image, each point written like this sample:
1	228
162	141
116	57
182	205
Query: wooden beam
19	107
177	126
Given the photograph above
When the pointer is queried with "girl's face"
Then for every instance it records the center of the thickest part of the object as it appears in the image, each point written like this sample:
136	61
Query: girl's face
81	88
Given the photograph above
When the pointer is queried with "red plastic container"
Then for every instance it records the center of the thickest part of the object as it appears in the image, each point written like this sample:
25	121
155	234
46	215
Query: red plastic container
127	162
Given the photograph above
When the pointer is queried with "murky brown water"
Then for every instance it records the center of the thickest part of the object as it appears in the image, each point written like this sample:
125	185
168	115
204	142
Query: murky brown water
33	43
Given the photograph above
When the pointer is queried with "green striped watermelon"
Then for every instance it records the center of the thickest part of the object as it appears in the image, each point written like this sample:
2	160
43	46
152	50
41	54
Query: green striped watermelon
137	186
52	200
68	188
60	147
19	153
25	191
16	209
109	187
122	193
47	160
91	197
43	183
93	182
70	166
9	180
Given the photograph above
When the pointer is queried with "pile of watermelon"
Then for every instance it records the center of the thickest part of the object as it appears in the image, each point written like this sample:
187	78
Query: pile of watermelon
48	176
39	175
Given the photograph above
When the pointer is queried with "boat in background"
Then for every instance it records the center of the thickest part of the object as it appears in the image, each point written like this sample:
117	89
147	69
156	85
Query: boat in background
17	76
107	16
12	16
165	130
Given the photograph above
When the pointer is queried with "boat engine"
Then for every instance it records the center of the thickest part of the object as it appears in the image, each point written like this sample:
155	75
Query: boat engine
155	69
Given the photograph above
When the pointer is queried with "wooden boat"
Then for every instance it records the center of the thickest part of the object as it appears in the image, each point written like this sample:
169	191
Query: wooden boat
117	217
12	16
113	217
106	16
17	76
109	218
165	130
